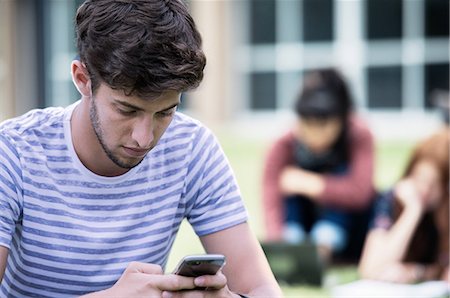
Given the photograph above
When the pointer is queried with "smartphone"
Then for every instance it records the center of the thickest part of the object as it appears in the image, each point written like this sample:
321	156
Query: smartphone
197	265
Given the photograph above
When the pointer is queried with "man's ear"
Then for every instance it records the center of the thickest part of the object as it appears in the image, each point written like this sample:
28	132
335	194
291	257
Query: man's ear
80	78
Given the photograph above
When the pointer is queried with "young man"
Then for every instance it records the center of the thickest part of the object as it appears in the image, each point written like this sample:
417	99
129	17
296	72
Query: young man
92	195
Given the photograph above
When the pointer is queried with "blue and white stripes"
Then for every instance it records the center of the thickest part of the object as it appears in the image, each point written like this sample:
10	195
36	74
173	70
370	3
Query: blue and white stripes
71	231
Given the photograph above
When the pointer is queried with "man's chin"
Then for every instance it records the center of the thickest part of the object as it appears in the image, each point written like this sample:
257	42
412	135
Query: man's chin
130	164
127	164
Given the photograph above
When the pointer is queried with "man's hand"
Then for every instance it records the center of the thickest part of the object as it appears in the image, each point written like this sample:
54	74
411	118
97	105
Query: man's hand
145	280
213	285
149	280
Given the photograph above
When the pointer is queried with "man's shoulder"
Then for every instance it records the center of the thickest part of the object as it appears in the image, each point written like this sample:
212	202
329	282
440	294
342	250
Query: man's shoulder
183	124
36	117
34	122
188	133
181	118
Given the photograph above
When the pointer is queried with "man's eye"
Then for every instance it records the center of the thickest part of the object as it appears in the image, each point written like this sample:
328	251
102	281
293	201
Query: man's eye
166	113
126	112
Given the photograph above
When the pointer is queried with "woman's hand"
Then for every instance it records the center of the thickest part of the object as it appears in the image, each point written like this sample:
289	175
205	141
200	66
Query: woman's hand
297	181
408	195
290	179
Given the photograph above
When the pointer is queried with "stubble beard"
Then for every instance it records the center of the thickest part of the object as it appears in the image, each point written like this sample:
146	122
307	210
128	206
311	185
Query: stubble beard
95	121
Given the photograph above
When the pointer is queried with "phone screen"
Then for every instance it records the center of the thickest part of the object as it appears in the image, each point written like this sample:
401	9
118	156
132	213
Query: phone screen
197	265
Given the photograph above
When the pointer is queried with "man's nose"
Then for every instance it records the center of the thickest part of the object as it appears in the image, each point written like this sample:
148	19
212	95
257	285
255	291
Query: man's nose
143	132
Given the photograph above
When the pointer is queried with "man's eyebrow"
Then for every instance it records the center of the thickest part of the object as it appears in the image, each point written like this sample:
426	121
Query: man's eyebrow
128	105
171	107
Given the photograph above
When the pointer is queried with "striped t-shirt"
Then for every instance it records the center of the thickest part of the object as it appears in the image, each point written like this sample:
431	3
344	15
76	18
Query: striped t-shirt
70	231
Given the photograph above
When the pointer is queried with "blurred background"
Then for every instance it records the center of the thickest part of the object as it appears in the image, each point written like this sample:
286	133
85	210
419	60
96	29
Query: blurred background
394	54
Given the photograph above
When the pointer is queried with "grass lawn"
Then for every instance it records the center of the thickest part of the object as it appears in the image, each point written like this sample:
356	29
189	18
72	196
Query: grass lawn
246	157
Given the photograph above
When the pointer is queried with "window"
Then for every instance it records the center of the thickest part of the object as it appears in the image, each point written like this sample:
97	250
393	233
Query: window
263	91
436	78
384	19
317	20
436	18
56	48
384	87
262	18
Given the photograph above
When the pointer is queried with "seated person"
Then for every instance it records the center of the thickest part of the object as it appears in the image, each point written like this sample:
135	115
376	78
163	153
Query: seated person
321	171
92	196
411	226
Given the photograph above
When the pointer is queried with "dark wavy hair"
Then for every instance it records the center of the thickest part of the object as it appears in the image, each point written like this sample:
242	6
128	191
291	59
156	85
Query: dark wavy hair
325	95
143	47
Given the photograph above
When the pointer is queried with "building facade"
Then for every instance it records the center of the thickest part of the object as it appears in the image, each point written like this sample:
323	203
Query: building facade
394	53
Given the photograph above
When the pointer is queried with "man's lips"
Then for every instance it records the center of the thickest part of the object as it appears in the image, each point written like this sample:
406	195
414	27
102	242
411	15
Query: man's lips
136	152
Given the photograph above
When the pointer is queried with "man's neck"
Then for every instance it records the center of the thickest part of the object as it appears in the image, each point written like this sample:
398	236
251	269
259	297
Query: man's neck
86	144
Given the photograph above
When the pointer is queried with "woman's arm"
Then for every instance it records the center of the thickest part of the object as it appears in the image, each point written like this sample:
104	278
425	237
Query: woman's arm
409	272
384	248
278	157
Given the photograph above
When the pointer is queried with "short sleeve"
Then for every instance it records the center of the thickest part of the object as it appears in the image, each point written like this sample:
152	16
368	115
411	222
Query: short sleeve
213	197
10	190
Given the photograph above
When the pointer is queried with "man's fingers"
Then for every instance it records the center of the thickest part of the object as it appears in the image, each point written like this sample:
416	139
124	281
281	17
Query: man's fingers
173	282
154	276
144	268
217	281
212	285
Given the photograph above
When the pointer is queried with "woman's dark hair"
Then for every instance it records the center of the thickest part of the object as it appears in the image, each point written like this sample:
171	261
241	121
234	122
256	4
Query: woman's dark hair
143	47
324	94
431	237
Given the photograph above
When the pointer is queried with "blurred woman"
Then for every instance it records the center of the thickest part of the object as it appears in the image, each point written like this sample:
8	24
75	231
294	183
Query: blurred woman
321	170
409	241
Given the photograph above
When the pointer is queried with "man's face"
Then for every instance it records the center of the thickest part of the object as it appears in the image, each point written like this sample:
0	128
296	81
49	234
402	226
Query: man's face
128	127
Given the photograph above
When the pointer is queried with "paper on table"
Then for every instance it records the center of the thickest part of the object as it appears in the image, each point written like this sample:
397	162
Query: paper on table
371	288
